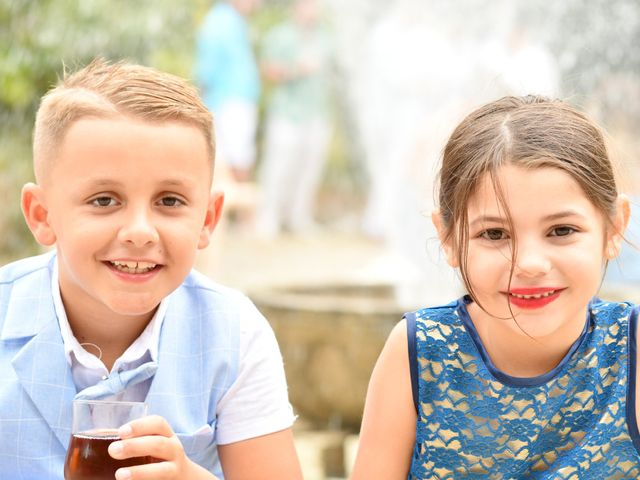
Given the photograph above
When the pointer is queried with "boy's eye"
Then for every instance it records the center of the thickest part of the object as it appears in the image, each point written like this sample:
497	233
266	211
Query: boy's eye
494	234
103	202
562	231
171	202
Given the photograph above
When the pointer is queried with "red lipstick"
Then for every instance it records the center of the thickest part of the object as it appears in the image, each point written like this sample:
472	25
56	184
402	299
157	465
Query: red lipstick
531	298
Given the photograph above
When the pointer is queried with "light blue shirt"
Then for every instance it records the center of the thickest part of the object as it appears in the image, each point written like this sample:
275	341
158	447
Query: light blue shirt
305	98
225	64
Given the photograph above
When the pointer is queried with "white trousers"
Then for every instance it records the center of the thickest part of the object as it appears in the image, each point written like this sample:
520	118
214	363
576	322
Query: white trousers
235	126
292	164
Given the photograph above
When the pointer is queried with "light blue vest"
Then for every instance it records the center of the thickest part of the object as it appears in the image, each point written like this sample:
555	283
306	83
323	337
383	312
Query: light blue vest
576	422
197	362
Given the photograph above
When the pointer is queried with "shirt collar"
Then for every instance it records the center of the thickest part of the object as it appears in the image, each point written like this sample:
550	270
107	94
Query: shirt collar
148	341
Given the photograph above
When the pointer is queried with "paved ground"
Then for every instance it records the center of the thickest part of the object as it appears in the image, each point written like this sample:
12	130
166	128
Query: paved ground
242	260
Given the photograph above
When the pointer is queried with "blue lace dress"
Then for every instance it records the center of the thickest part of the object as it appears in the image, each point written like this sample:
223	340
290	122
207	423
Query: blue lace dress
577	421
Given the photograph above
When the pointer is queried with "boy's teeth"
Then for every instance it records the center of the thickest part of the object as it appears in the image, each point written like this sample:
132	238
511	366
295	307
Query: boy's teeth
528	297
133	267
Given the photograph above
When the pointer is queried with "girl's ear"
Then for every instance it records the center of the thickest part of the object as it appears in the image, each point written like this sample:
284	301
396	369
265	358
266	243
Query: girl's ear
214	212
447	244
36	214
620	221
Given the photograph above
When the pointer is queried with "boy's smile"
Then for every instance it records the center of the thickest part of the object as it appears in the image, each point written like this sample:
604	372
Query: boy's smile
129	204
134	267
134	270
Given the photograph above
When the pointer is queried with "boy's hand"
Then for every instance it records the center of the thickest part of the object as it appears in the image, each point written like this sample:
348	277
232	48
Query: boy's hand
152	436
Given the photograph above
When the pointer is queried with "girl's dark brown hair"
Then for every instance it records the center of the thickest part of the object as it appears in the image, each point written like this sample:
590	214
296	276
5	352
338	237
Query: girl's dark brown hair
529	132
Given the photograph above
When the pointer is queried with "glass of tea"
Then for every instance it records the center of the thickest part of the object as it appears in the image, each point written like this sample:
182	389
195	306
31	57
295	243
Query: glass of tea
95	426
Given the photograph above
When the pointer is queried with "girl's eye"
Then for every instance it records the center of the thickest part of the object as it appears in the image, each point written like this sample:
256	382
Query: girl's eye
171	202
562	231
494	234
103	202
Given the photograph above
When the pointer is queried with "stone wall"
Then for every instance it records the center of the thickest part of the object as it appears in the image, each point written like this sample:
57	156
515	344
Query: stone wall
330	337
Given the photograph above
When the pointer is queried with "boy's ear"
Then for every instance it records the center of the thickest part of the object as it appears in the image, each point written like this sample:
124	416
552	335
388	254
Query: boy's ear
620	221
214	212
447	246
36	214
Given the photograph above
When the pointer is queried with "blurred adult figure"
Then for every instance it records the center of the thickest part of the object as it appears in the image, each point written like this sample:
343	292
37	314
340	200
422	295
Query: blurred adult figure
412	89
227	73
295	59
520	63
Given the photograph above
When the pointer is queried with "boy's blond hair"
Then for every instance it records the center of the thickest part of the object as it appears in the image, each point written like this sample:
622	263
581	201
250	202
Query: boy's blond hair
107	90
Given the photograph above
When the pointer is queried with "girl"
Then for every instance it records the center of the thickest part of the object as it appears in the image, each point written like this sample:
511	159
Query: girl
527	375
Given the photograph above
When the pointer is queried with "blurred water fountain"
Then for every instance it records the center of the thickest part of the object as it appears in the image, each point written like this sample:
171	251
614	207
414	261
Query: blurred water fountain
410	70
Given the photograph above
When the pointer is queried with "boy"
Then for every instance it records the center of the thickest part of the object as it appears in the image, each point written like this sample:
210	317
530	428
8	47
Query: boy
123	160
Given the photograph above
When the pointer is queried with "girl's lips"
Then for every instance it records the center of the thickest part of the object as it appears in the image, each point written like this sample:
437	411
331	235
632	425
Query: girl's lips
533	297
533	290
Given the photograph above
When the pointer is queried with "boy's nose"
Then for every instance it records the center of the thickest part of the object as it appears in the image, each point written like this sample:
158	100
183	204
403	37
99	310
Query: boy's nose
138	229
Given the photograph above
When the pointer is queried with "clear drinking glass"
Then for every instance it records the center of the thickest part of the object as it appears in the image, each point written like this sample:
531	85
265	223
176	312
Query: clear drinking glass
95	426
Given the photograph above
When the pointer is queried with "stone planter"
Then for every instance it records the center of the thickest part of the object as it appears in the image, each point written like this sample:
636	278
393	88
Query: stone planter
330	337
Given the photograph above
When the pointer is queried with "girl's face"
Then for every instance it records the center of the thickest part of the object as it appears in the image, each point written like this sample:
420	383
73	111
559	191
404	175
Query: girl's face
562	242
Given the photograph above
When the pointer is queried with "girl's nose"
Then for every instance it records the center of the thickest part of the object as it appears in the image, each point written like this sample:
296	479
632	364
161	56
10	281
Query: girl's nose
138	229
532	259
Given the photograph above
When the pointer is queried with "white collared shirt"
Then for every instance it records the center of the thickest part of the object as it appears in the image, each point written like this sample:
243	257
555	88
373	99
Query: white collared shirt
86	367
259	392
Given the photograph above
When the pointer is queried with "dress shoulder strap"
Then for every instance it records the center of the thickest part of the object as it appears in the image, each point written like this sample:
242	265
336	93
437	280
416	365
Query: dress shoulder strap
633	366
410	318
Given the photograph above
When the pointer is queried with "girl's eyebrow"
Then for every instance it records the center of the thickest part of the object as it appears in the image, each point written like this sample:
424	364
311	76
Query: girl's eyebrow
487	219
564	214
554	216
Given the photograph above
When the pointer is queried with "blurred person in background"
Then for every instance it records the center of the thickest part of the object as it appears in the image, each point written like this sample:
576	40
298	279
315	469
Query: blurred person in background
228	76
420	73
413	86
518	63
295	59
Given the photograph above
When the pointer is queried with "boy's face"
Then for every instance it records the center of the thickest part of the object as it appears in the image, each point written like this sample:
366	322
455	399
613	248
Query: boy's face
127	203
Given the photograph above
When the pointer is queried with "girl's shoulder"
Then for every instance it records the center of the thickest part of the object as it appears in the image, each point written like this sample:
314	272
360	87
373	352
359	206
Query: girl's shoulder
439	311
438	317
605	312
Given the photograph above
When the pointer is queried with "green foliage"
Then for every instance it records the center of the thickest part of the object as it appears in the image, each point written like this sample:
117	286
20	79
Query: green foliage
40	38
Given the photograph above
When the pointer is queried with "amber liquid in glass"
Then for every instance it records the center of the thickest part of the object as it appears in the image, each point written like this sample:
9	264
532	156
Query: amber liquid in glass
89	459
